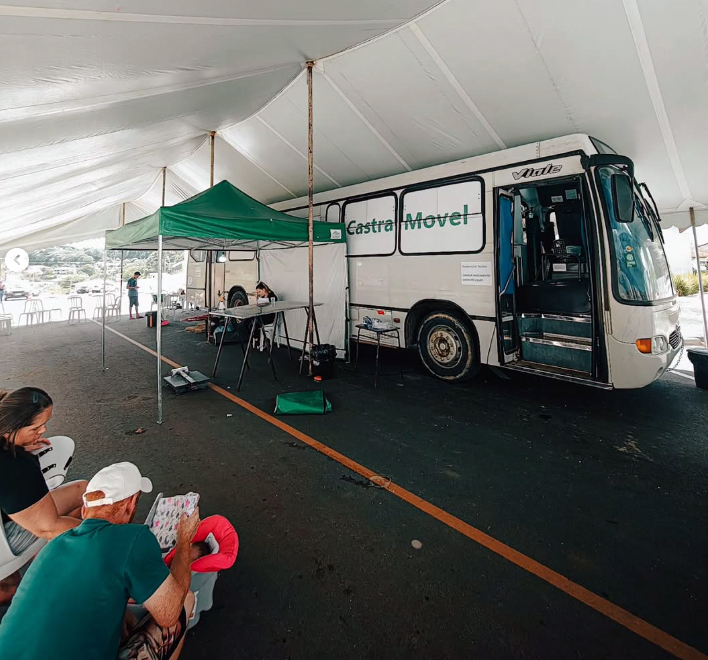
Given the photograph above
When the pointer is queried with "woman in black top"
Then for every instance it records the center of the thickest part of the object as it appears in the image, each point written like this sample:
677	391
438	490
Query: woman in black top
264	292
29	509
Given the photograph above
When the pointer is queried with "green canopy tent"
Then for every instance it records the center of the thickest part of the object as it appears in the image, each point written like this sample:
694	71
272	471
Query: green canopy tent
222	218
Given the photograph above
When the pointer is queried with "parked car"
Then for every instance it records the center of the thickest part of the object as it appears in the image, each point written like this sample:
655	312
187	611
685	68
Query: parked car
82	288
16	294
98	288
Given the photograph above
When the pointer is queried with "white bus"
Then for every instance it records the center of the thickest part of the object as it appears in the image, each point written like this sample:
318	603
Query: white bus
545	258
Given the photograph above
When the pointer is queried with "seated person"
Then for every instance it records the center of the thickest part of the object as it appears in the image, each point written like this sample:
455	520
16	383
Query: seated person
29	509
90	573
264	292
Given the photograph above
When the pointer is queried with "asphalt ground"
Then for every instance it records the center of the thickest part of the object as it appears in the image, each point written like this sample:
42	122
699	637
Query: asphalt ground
606	489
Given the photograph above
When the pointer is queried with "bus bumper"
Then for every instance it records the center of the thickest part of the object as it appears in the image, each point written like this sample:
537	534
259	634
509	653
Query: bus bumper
631	369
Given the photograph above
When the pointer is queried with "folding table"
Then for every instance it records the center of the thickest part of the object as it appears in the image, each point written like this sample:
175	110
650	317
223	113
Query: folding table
257	312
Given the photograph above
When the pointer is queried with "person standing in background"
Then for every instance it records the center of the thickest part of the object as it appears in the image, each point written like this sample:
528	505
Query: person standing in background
133	295
2	291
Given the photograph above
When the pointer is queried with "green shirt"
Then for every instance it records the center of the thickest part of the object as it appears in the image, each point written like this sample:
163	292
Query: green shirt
72	600
132	293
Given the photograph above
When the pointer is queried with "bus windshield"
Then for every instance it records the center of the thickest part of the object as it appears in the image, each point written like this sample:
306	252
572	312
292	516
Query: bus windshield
640	270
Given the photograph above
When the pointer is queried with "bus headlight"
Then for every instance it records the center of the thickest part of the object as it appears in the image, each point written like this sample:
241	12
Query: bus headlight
655	346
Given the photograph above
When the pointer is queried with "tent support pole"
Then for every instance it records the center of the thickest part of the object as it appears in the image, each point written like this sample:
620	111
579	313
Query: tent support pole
212	134
120	284
103	315
159	329
164	184
700	277
120	275
310	195
208	277
209	261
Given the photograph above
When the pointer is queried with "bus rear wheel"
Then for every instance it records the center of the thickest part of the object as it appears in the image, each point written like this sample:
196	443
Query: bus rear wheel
448	346
237	298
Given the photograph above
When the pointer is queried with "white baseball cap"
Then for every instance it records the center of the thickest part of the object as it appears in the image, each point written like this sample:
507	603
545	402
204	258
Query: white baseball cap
117	482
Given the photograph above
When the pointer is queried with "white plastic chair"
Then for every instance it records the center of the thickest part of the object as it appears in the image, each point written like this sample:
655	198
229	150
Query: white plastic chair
9	561
97	302
76	309
171	303
52	306
5	324
115	306
41	313
33	312
268	331
153	304
111	307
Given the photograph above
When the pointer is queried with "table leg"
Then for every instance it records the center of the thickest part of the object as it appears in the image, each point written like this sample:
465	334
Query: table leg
218	353
272	341
243	350
358	348
314	323
378	346
304	341
287	336
400	354
245	357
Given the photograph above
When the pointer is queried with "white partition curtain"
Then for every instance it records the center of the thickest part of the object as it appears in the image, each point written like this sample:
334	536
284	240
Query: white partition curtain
285	271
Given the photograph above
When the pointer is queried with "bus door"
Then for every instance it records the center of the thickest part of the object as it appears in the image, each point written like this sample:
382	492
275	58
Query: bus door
506	260
543	226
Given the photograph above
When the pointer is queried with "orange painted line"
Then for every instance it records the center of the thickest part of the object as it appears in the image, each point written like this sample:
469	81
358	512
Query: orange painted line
625	618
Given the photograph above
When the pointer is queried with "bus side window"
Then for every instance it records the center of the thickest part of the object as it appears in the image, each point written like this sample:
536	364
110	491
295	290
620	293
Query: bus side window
333	212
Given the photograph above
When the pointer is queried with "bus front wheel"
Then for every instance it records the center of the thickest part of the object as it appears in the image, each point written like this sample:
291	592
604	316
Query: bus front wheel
448	346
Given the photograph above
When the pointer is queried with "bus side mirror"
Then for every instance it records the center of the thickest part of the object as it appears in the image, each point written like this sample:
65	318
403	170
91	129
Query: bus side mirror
623	195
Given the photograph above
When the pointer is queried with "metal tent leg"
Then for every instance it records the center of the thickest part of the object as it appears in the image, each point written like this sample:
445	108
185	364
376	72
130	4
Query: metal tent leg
103	315
159	329
700	278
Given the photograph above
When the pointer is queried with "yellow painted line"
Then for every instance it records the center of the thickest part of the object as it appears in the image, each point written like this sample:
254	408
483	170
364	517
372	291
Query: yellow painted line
639	626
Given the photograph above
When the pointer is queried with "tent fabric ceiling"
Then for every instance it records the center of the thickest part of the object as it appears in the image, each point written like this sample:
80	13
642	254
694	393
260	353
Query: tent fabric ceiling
98	98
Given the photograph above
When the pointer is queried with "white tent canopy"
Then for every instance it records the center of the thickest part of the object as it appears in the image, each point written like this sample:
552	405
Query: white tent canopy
98	97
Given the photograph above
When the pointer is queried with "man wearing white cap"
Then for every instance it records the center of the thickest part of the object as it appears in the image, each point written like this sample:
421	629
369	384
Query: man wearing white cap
72	601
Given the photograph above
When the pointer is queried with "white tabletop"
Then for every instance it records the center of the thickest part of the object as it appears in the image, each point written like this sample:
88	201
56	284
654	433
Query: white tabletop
251	311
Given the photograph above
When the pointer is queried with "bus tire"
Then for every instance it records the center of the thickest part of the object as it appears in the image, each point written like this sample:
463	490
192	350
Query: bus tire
448	346
237	298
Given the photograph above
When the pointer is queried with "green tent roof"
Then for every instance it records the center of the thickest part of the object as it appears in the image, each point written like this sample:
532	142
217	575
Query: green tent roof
222	217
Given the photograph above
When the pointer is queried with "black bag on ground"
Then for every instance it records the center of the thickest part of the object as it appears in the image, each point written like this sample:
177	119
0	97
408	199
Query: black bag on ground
151	319
323	357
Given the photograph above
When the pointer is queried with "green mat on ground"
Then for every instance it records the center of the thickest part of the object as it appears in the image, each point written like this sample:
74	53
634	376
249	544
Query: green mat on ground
302	403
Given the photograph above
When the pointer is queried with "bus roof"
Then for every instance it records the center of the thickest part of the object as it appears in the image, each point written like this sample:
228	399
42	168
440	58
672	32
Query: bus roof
526	152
